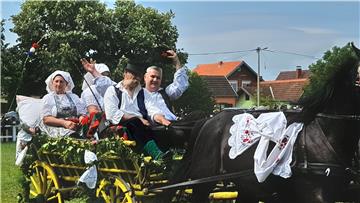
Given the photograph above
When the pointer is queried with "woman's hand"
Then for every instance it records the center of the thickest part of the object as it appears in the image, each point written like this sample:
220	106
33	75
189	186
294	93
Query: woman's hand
70	125
90	67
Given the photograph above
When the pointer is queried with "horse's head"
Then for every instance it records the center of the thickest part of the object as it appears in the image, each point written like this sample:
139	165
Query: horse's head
357	51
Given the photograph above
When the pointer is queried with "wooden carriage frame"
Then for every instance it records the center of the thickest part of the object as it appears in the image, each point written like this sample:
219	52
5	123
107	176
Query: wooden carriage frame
120	179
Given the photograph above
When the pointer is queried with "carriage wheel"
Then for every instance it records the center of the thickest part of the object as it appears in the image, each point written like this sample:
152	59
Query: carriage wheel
119	192
44	184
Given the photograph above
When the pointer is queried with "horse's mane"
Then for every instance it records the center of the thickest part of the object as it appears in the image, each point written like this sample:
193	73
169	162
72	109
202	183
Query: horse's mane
337	70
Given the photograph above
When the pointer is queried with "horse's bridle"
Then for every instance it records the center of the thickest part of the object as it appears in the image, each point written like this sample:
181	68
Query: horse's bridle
339	116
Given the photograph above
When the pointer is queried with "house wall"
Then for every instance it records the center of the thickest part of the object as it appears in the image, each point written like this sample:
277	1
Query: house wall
243	74
225	100
245	104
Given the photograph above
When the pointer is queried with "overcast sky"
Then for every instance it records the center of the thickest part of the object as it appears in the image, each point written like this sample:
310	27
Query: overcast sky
295	33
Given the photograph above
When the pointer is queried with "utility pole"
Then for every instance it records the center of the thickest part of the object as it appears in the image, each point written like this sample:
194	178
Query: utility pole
258	75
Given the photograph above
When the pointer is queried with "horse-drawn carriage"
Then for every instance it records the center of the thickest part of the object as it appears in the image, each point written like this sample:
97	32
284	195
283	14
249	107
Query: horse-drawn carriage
325	157
55	170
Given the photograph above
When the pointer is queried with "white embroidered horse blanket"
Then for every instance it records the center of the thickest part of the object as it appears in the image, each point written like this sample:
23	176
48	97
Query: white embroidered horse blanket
248	130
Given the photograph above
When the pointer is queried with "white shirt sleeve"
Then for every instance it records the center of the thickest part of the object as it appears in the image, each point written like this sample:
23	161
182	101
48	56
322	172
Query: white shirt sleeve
89	99
49	107
102	83
179	84
111	102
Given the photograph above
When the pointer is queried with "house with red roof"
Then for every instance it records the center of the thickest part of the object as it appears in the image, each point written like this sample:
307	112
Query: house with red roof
225	79
287	88
234	84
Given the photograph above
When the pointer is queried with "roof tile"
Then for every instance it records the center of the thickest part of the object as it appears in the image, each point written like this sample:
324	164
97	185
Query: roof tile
217	69
219	86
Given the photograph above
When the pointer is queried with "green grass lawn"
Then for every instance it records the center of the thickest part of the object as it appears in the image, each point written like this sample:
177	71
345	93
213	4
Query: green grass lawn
10	174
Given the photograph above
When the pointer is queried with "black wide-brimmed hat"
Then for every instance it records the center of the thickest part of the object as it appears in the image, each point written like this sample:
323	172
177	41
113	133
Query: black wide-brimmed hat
136	68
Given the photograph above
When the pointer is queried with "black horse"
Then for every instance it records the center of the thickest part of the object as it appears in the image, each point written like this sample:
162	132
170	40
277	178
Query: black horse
323	156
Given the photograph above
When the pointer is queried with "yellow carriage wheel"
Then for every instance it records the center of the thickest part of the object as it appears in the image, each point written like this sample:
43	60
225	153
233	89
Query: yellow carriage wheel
119	192
44	183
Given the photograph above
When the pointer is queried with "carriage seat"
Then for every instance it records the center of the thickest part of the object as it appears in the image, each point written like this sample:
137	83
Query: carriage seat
174	136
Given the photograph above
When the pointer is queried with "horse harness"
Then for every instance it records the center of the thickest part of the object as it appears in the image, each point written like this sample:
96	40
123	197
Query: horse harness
339	116
325	169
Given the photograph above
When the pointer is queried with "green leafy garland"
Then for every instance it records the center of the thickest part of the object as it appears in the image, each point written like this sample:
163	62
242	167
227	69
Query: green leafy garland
71	151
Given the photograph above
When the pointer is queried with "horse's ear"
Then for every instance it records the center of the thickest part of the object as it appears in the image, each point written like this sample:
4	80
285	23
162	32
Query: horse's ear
357	51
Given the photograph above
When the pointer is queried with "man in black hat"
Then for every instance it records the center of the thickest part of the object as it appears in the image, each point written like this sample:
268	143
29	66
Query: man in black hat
126	104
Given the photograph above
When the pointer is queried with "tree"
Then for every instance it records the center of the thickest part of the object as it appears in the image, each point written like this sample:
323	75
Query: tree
328	66
197	97
325	74
69	30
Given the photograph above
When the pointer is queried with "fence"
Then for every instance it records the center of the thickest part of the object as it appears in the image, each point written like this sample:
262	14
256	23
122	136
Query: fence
8	133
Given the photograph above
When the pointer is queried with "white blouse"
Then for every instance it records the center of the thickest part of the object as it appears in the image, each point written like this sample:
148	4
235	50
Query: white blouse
49	108
88	98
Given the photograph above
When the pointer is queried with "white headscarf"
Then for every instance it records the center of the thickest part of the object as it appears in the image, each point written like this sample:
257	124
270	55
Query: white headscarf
70	84
100	67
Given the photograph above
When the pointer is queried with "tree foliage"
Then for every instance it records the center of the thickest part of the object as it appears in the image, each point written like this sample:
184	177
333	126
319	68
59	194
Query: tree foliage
70	30
197	97
325	68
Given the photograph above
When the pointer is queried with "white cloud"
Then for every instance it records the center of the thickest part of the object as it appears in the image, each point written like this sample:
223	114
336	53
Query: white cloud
313	30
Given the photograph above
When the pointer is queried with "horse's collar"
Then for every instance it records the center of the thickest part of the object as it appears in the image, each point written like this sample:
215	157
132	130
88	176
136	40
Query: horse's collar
339	116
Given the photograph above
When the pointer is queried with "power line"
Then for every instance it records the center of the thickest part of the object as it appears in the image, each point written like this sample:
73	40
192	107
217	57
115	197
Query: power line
232	52
225	52
292	53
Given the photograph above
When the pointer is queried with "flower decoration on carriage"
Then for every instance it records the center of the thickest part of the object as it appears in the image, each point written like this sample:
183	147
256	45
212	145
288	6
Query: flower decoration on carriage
33	48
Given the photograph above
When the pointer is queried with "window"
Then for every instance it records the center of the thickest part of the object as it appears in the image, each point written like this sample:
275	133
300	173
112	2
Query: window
247	97
234	84
245	83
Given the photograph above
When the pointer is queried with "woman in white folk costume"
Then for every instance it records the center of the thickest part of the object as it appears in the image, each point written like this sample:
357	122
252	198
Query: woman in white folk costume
62	110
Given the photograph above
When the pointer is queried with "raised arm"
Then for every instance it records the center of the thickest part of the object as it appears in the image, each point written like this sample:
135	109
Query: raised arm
181	79
90	67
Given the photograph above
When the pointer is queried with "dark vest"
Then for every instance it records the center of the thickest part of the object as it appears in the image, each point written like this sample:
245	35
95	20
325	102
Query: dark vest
166	99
